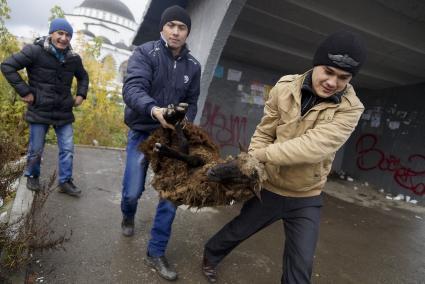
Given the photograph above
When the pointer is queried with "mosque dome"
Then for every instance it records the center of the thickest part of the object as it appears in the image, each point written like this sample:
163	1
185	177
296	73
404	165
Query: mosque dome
112	6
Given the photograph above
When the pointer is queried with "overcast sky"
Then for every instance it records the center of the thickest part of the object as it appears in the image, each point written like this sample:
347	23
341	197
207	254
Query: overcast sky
30	17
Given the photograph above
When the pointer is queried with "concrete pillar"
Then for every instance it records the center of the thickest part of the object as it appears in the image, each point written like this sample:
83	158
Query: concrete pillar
212	22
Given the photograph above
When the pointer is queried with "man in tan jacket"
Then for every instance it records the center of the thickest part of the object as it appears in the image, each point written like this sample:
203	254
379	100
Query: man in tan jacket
307	118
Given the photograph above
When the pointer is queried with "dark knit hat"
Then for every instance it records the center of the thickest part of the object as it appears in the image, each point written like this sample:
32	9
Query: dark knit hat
343	50
175	13
60	24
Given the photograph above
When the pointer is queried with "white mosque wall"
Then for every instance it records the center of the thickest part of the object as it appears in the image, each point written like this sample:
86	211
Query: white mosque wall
114	32
120	56
108	25
105	16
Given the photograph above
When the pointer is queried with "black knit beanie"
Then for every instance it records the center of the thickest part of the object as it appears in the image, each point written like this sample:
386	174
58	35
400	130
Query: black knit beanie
343	50
175	13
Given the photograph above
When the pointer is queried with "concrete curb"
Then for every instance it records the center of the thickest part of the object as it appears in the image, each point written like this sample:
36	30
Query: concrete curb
23	201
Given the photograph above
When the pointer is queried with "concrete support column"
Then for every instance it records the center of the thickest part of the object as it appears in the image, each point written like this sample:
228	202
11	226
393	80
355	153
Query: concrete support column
212	22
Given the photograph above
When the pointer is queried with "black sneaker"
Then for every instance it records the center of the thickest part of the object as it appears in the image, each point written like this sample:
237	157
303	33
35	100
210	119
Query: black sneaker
69	188
33	183
160	264
127	226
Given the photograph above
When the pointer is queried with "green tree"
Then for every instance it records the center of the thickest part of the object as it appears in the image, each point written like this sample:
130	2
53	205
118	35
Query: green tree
11	107
100	117
56	12
4	11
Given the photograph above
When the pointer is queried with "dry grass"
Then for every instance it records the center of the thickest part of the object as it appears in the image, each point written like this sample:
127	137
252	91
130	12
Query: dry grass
10	170
30	232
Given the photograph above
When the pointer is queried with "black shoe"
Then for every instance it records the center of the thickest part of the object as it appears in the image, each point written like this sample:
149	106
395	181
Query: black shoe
127	226
209	270
33	183
69	188
160	264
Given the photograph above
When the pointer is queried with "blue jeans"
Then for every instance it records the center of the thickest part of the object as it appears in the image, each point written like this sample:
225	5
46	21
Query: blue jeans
133	186
64	134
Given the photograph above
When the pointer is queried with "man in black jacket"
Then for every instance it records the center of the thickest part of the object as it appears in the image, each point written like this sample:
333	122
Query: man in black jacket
159	73
51	65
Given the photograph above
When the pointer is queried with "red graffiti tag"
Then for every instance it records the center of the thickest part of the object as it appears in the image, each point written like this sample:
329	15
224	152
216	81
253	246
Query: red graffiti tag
226	130
369	157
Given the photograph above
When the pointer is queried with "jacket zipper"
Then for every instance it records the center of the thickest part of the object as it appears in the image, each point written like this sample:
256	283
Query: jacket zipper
173	79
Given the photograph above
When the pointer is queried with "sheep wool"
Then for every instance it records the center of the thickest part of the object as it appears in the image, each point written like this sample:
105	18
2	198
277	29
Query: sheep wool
177	182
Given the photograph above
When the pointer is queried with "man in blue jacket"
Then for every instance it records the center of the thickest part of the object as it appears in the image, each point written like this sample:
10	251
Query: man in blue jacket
159	73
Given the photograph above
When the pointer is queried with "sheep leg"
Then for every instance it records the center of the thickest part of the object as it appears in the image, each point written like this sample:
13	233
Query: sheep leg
169	135
183	143
192	161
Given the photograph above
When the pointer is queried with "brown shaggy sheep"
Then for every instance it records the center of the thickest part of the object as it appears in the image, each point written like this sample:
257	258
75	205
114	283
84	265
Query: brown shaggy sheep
188	169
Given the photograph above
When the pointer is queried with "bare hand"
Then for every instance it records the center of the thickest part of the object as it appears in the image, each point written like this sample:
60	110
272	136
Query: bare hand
158	113
78	100
29	99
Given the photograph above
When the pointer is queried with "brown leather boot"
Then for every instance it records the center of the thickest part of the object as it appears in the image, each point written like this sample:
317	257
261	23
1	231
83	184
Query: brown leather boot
209	270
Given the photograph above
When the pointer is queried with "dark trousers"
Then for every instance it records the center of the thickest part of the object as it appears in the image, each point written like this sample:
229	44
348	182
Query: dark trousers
301	218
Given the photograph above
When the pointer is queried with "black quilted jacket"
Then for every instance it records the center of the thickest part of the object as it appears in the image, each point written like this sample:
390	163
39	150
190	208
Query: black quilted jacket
49	80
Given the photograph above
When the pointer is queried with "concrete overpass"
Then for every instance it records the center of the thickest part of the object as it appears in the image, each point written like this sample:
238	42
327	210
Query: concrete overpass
244	46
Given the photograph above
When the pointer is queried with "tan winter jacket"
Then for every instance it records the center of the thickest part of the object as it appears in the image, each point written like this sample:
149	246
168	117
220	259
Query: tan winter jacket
298	151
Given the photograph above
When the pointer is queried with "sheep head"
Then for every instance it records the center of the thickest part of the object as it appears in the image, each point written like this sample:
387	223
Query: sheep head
244	169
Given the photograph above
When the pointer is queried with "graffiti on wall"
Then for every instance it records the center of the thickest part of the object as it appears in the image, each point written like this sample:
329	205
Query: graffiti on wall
409	176
226	129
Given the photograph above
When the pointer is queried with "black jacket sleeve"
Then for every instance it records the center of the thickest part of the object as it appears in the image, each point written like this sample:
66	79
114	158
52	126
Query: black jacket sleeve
138	83
11	66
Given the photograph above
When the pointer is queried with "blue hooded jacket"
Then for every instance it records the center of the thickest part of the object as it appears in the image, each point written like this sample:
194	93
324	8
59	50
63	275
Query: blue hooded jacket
155	78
